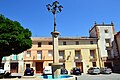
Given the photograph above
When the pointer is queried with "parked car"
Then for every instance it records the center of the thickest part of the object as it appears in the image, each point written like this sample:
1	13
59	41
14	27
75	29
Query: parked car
29	72
4	73
105	70
47	70
63	71
93	70
75	71
7	75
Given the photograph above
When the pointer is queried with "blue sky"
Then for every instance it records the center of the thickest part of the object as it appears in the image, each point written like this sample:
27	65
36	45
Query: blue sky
76	19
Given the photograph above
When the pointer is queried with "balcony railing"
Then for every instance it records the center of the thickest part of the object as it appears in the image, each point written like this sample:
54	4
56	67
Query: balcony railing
14	58
77	59
92	59
61	59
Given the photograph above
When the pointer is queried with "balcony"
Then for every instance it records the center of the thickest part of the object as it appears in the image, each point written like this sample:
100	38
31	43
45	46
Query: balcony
108	46
77	59
14	58
61	59
93	59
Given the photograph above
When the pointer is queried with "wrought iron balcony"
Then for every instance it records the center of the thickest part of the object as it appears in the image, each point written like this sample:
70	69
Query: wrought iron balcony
93	59
61	59
78	59
14	58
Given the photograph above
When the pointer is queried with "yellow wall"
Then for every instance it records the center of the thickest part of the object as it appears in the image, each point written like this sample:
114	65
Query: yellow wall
85	52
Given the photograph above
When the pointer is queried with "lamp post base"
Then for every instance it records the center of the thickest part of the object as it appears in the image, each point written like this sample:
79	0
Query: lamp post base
56	70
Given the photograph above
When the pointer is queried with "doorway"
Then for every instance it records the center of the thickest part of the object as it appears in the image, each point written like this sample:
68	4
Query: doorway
39	67
80	65
108	64
14	67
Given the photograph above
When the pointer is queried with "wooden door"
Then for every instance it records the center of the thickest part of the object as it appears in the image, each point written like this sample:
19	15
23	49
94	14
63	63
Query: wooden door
39	67
14	67
80	65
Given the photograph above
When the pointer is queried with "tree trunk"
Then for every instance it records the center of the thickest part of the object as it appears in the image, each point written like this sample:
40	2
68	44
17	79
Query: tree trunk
1	60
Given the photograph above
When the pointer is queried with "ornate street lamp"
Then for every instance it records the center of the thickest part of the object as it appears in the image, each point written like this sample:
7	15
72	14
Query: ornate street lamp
55	8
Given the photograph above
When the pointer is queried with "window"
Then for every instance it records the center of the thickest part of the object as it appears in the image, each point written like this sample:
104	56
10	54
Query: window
61	54
109	54
14	57
50	43
28	54
92	54
27	65
107	42
106	30
39	44
91	42
64	43
77	54
50	53
39	55
77	42
94	64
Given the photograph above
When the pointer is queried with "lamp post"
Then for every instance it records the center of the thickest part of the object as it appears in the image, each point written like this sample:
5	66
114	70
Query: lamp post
55	8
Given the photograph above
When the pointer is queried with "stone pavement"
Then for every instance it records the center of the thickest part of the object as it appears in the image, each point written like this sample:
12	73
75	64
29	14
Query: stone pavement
35	77
112	76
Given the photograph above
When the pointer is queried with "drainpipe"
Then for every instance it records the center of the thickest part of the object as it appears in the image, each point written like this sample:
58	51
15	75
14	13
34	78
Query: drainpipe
99	54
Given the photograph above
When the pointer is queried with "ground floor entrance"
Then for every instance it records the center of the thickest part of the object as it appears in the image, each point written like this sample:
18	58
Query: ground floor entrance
108	64
80	65
14	67
39	67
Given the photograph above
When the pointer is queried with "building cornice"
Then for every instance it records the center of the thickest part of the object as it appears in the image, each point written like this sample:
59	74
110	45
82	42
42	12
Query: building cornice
95	24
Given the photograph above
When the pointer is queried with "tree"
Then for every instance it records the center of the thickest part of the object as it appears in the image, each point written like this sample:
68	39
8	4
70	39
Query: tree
14	39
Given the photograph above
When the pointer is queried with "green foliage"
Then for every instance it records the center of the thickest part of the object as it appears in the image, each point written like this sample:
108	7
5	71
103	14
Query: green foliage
14	39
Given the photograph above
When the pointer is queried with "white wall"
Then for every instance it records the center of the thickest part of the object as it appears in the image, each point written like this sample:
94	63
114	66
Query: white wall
103	36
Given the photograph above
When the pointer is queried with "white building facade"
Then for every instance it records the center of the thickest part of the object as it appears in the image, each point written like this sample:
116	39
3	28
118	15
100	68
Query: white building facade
105	34
14	63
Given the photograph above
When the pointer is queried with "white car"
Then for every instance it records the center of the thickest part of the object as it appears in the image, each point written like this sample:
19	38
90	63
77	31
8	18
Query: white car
93	70
47	70
105	70
2	71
